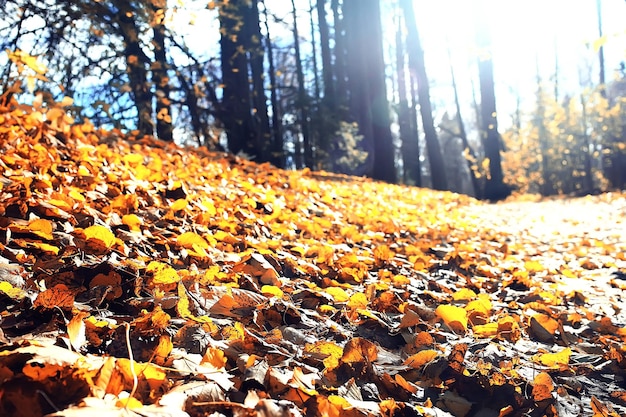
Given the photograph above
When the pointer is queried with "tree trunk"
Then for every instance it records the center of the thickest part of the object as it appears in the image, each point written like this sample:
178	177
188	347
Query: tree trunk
137	63
415	135
368	92
302	96
601	49
277	156
327	70
410	147
416	63
340	98
236	103
495	189
256	59
472	161
328	121
160	78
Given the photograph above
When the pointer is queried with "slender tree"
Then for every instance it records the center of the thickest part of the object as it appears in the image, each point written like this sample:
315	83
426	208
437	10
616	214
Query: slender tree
368	91
416	63
495	189
410	144
160	66
340	64
236	101
601	49
471	155
256	58
303	100
277	153
327	120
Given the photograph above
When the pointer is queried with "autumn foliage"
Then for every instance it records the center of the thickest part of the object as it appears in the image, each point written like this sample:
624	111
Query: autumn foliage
141	278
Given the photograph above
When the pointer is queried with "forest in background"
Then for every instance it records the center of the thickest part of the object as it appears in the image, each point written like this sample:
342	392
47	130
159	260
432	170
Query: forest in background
315	84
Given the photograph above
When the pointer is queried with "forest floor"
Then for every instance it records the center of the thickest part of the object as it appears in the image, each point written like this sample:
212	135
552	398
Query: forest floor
140	278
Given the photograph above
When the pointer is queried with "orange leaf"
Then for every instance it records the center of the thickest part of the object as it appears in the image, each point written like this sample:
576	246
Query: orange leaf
76	331
163	349
58	296
542	387
214	357
41	228
421	358
359	350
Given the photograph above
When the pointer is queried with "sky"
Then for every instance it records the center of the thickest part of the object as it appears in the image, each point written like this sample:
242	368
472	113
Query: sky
525	36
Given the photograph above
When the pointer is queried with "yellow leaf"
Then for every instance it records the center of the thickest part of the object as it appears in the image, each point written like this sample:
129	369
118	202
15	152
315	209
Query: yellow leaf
131	403
133	159
11	291
162	273
179	204
189	240
328	351
338	294
554	359
533	266
454	317
599	43
272	290
357	300
132	221
101	234
464	294
66	101
508	328
485	330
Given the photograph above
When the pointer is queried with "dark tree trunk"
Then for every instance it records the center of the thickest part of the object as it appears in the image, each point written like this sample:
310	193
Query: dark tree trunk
160	78
137	63
236	102
410	147
368	92
316	78
303	101
327	70
277	156
256	55
416	62
415	136
328	122
495	189
340	97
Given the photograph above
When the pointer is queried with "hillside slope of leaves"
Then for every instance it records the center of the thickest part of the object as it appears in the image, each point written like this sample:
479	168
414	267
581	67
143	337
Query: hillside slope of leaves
143	279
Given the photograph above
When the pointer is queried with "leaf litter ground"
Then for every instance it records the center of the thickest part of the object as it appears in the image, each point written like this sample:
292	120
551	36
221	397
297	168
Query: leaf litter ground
139	278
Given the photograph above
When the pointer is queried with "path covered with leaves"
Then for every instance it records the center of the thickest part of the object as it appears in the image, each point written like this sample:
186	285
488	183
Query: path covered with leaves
139	278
